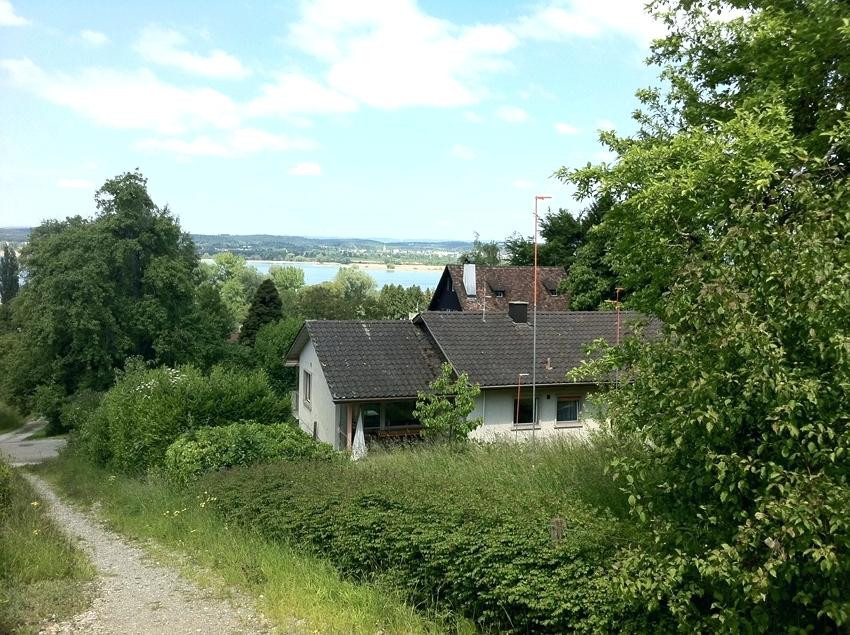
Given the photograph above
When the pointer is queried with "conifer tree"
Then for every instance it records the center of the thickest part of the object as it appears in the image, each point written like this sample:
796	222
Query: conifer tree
8	274
265	308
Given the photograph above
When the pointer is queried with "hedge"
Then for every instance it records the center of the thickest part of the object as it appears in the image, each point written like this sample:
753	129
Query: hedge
513	560
244	443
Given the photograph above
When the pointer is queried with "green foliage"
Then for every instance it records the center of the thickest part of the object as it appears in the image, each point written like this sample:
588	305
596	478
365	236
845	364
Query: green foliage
270	347
8	274
397	303
244	443
482	253
265	308
236	281
48	402
10	418
444	408
147	410
77	408
731	224
287	278
470	531
100	290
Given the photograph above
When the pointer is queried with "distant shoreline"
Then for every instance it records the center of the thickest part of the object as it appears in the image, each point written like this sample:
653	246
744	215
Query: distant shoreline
359	265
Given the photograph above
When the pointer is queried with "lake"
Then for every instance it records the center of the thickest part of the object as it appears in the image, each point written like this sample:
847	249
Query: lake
316	273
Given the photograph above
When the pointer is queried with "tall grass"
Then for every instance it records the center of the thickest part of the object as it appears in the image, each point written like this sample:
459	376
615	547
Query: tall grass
288	584
42	574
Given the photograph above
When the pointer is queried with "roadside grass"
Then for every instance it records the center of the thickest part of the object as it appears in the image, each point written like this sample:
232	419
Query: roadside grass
42	573
288	584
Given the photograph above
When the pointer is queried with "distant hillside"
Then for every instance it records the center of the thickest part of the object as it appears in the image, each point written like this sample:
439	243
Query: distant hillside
269	246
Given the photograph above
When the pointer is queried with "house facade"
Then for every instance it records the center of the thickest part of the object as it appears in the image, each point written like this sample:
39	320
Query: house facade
375	369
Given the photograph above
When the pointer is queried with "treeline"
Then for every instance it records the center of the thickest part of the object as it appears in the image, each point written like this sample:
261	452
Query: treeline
128	283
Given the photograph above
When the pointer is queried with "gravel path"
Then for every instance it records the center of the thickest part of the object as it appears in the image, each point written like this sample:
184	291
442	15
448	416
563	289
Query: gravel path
19	449
137	596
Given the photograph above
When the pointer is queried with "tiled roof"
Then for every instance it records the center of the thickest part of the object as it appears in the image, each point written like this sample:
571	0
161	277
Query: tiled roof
517	284
495	351
364	359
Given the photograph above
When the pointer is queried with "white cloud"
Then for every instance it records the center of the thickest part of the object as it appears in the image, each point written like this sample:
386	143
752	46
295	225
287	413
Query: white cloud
511	114
473	117
239	142
75	184
605	124
522	184
463	152
297	94
564	19
565	128
390	54
308	168
8	17
163	46
94	38
132	100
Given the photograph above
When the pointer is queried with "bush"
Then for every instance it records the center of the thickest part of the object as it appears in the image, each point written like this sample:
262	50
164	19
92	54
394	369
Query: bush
5	487
10	418
78	408
503	534
244	443
48	402
148	409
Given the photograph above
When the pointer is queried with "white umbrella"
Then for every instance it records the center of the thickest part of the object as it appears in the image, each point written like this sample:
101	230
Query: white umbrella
358	448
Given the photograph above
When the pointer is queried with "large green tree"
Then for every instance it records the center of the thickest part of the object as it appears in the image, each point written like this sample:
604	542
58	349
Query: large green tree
9	273
123	283
730	222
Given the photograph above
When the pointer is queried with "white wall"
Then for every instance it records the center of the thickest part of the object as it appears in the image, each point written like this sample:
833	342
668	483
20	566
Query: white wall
321	409
496	406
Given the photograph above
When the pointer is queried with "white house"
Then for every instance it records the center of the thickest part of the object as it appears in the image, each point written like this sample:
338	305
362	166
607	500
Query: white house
376	368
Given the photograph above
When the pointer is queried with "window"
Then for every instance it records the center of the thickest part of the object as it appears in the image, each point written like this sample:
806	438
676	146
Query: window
371	416
523	411
553	292
306	386
399	413
498	294
568	409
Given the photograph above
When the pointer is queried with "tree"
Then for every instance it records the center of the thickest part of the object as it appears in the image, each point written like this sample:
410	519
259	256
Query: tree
397	303
519	249
287	278
482	253
729	222
270	346
265	308
236	281
590	281
443	409
8	274
323	302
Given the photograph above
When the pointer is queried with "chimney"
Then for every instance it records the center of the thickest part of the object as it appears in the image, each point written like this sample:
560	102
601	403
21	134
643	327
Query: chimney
518	312
469	282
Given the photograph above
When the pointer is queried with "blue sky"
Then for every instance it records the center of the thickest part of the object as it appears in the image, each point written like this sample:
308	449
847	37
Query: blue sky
377	118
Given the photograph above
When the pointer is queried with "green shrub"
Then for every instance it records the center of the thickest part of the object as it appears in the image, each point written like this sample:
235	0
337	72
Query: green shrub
244	443
48	402
148	409
78	408
502	534
10	418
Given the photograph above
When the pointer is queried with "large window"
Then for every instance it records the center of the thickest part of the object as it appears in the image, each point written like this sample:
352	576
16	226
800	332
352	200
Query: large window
399	413
306	386
371	416
568	409
523	411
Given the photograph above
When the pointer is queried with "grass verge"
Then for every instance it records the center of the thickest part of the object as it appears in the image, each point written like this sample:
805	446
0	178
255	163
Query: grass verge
287	583
42	573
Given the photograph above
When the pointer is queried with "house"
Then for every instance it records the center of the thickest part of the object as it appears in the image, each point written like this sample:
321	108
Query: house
485	288
376	368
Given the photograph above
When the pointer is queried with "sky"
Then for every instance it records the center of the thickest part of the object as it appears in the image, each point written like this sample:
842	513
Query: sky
396	119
